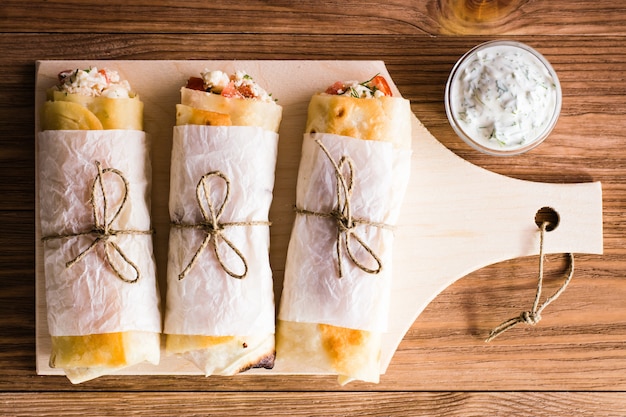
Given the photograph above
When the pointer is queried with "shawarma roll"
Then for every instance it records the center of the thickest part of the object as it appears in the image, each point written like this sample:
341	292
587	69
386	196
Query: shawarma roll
94	191
220	311
353	174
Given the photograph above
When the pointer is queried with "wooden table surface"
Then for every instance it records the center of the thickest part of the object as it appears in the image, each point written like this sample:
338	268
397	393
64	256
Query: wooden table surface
573	362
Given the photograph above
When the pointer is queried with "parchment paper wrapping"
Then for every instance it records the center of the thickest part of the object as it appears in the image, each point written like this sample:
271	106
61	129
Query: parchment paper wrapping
88	297
326	323
208	301
98	322
312	291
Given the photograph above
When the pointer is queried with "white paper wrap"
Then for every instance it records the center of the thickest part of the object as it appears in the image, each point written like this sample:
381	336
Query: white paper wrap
312	291
208	301
88	297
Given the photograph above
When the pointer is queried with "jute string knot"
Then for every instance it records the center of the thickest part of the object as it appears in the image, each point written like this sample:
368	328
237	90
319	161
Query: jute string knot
529	317
213	228
103	226
344	224
533	316
342	214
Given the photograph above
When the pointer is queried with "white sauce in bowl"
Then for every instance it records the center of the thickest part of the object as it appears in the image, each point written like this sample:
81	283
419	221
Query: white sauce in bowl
503	96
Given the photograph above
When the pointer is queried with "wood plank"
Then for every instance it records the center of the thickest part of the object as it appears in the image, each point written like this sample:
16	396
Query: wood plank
442	363
405	17
235	404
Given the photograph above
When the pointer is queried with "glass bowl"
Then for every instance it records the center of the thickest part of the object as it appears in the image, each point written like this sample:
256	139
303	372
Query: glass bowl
503	98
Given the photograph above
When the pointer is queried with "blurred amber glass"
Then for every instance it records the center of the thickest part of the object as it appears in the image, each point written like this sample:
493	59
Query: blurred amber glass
476	16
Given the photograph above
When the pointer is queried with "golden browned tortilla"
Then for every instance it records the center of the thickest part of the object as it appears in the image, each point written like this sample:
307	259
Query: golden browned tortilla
383	119
63	111
242	112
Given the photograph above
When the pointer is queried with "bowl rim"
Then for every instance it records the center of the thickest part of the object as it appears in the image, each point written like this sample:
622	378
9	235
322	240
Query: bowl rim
504	151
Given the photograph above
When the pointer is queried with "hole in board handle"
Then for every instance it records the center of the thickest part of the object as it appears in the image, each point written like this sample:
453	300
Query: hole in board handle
547	214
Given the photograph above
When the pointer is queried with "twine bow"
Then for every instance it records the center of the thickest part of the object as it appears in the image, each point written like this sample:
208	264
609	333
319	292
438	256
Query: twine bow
103	226
342	214
213	228
533	316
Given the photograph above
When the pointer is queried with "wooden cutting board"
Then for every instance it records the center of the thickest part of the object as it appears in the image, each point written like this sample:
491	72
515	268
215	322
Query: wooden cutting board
456	217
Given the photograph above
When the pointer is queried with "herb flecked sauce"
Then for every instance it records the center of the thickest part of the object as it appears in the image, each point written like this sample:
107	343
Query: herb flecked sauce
503	97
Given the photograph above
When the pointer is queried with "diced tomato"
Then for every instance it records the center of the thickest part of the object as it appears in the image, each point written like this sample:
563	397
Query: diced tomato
195	83
381	84
336	88
231	91
106	76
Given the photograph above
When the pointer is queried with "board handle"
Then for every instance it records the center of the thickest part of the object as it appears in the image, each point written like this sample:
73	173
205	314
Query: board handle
458	218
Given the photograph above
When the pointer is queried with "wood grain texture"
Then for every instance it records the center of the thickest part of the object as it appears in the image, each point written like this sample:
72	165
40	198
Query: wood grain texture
578	345
272	404
399	17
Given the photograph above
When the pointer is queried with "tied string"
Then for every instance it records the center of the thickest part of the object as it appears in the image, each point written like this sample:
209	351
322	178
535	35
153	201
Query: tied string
213	228
533	316
342	214
102	227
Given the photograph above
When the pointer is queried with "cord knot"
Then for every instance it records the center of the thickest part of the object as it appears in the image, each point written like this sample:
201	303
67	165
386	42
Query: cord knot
529	317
